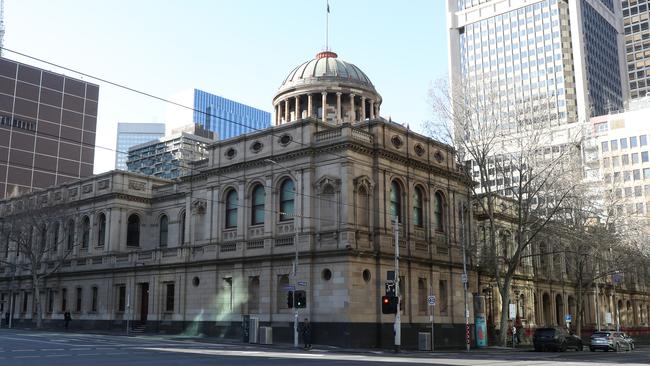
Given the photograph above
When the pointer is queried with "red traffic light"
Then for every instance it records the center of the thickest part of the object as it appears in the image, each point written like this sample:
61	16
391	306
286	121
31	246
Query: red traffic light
389	304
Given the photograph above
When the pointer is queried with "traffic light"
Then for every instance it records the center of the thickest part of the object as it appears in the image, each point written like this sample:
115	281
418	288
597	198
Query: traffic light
301	299
290	299
389	304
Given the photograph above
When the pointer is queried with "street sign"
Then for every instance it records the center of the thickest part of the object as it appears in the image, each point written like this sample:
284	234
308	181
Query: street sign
568	318
290	288
431	300
513	311
608	318
302	283
463	278
390	288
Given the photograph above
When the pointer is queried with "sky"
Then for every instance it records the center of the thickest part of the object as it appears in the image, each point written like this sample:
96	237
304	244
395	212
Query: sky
241	50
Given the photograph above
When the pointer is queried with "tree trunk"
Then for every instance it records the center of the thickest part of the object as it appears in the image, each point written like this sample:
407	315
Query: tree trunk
504	289
579	310
37	301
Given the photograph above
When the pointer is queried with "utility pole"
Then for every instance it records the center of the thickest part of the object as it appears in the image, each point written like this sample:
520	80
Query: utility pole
397	326
464	277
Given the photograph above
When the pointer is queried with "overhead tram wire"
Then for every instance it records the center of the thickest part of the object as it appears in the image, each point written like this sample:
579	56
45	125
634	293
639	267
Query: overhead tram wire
176	104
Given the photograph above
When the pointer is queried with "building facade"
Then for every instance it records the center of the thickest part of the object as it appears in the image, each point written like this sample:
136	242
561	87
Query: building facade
131	134
226	118
636	23
47	128
196	254
171	156
562	58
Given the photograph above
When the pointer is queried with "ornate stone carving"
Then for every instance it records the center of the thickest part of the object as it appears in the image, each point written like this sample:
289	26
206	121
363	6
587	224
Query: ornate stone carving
419	149
325	181
58	196
231	153
364	181
439	157
102	184
397	141
256	147
199	207
137	185
87	188
72	192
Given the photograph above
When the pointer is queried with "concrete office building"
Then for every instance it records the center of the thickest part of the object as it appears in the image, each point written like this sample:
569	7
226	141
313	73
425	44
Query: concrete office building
131	134
171	156
47	128
636	22
225	117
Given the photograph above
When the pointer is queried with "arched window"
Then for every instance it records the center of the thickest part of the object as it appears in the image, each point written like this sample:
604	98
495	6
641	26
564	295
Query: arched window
133	231
85	234
287	195
257	213
417	208
363	212
70	239
438	210
101	231
232	201
43	238
181	230
163	230
395	201
55	235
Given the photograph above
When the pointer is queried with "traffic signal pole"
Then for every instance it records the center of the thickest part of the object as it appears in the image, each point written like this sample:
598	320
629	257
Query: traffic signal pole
397	326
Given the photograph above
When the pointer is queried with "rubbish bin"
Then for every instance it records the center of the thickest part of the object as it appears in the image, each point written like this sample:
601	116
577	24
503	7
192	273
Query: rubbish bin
253	329
424	341
266	335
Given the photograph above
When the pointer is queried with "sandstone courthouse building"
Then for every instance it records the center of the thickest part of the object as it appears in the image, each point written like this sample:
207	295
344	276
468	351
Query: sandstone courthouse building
196	253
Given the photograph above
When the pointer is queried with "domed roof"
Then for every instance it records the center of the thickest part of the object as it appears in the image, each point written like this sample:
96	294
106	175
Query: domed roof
326	67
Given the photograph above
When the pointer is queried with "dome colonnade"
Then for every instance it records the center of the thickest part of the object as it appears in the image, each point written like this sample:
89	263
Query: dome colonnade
326	88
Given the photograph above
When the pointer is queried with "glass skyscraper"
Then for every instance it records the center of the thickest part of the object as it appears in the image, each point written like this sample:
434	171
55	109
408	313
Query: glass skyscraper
226	117
556	59
131	134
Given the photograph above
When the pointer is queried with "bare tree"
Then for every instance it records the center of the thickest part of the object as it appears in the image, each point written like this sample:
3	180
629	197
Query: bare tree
35	245
515	153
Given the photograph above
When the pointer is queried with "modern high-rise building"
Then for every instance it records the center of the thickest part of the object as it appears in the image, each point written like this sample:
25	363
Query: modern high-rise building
225	117
171	156
636	22
131	134
561	59
47	128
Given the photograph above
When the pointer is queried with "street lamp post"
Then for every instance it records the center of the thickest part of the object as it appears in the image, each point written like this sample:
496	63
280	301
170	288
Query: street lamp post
464	277
296	218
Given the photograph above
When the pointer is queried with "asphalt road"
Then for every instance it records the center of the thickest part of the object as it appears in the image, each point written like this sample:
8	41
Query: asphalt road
32	348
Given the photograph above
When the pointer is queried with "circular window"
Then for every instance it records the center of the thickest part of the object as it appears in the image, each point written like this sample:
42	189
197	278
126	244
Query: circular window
196	281
366	275
397	141
419	150
231	153
256	146
327	274
285	140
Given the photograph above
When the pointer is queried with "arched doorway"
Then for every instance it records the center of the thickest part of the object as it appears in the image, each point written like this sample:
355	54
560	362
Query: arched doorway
546	306
571	302
559	309
619	314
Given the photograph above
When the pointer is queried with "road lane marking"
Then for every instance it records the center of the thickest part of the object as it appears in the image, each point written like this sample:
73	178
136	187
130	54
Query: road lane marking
23	350
59	355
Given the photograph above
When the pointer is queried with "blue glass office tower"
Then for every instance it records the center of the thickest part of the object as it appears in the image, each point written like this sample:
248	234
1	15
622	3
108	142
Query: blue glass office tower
225	117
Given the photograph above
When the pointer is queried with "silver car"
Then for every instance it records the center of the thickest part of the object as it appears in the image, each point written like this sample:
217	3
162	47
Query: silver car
609	340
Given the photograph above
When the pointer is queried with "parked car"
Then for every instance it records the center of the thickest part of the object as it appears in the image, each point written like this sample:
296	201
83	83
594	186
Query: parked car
629	340
609	340
557	339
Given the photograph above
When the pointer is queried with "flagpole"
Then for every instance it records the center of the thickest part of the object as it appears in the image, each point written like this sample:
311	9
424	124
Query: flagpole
327	26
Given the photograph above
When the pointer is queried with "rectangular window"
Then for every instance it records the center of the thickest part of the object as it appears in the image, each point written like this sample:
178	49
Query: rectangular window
627	176
635	158
227	298
78	302
638	191
93	306
616	161
646	173
614	145
442	297
422	295
169	297
64	300
50	300
402	294
25	300
643	140
625	159
2	304
121	298
633	142
623	143
644	156
637	174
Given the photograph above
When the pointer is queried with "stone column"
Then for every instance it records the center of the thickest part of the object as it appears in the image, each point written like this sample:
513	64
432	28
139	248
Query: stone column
277	114
353	114
372	109
377	107
298	115
309	105
324	106
363	108
286	110
338	107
